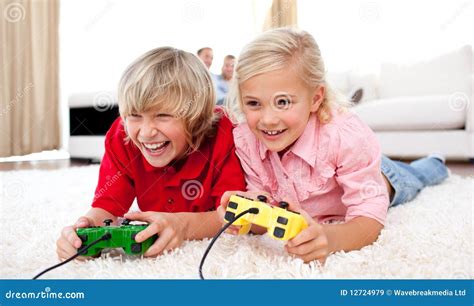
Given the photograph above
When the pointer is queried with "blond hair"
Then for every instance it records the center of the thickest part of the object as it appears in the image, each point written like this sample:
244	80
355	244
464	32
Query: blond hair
176	82
277	49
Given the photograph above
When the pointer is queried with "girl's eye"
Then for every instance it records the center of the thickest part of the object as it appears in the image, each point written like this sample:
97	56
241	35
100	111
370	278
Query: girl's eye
282	102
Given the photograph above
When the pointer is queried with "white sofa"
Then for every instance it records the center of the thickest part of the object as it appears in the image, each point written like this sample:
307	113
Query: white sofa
420	108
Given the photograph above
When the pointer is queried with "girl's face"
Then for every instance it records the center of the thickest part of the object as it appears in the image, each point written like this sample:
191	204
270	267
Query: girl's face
277	106
160	136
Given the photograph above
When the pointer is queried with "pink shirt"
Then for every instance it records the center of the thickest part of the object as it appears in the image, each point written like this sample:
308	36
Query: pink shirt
332	171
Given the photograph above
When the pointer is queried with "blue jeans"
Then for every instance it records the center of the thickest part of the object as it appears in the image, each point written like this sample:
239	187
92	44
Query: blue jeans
408	179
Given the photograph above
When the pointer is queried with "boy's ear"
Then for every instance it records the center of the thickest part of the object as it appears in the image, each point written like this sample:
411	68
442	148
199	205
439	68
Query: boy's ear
318	97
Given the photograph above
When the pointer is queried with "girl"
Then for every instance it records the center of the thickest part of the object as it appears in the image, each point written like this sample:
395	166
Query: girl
170	149
300	144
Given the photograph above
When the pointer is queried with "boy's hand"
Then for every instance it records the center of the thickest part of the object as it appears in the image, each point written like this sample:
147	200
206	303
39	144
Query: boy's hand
168	226
234	229
311	243
69	242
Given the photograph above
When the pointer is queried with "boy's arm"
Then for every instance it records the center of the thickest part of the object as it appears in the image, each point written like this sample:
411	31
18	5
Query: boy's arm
97	216
353	235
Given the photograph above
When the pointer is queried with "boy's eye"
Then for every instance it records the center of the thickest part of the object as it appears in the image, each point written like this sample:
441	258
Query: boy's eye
135	115
163	115
252	103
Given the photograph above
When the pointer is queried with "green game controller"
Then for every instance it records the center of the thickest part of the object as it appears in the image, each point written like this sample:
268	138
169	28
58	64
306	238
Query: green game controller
114	237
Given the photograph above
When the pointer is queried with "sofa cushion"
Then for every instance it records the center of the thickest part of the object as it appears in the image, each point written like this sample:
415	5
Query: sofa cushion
439	112
443	75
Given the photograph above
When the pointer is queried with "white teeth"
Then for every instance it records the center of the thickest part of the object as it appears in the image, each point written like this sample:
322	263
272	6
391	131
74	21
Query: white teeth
154	146
273	132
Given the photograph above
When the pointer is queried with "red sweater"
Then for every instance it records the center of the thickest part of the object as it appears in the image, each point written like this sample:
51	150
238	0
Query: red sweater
195	185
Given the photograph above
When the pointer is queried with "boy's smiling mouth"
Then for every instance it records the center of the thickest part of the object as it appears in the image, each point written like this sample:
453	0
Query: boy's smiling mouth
155	148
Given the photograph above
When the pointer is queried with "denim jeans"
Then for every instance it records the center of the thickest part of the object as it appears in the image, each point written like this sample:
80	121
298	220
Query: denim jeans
409	179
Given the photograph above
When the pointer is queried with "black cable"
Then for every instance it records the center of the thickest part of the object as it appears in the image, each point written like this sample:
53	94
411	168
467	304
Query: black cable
106	236
252	210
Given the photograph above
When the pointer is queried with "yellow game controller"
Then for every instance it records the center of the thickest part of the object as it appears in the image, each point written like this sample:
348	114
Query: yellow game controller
281	223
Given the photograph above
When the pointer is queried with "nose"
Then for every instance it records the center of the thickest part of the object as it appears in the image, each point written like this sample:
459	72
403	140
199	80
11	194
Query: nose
269	117
148	130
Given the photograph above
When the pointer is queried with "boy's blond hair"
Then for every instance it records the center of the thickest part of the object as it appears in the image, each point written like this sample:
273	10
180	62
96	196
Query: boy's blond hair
175	82
283	48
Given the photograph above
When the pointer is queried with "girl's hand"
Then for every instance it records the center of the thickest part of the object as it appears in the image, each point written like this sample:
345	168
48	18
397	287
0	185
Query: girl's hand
168	226
311	243
234	229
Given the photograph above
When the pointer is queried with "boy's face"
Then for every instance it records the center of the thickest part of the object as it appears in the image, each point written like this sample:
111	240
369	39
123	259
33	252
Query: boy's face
160	136
277	106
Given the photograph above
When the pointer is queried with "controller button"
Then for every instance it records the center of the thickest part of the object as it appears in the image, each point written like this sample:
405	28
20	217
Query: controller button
229	216
283	204
279	232
282	220
233	205
126	221
136	248
83	237
262	198
107	222
133	236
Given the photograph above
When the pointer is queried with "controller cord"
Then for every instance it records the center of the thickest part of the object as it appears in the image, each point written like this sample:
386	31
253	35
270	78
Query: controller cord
81	251
251	210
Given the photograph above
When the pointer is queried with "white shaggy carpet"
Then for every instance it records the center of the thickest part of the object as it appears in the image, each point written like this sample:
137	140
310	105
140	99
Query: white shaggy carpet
430	237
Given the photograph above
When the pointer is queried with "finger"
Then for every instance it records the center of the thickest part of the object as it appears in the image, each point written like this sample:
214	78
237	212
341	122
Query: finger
172	244
82	222
152	229
159	245
233	230
225	197
304	248
140	216
309	233
70	236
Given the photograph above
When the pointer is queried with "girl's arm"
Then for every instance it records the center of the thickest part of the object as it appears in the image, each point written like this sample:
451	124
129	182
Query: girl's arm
317	241
353	235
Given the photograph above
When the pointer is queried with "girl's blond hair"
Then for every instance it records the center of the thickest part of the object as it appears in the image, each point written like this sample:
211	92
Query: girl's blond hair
277	49
175	82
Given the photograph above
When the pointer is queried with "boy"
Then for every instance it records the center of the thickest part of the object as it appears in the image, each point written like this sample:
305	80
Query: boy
170	149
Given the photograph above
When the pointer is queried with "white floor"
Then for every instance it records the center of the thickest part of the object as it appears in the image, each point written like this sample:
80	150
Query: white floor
430	237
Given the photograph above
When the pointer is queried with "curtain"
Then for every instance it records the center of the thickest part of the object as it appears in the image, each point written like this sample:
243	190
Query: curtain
281	14
29	81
